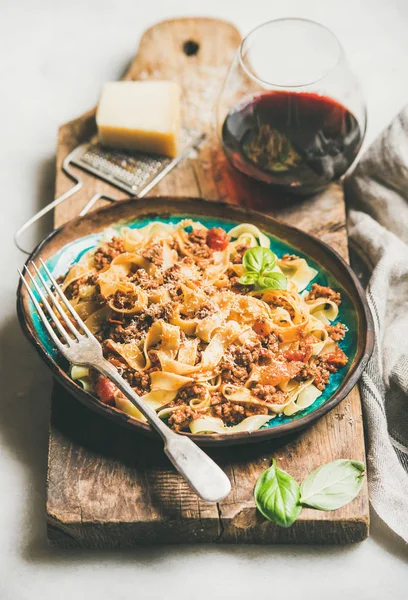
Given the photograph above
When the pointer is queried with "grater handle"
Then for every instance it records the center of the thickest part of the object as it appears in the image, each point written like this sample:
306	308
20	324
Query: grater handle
54	203
93	201
195	143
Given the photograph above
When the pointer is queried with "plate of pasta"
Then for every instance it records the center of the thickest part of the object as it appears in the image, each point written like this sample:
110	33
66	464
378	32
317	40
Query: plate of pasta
234	327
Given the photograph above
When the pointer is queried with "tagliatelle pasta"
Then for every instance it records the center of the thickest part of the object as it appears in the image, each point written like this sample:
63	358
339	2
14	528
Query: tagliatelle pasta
207	352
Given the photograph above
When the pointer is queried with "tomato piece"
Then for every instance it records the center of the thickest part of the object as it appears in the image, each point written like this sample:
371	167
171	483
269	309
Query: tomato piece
337	358
105	390
295	355
262	328
217	239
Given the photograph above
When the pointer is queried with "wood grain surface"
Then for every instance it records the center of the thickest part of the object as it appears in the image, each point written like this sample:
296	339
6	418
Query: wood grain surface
107	487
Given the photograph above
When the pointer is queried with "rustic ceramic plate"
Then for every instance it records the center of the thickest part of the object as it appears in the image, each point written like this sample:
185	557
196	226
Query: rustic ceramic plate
67	244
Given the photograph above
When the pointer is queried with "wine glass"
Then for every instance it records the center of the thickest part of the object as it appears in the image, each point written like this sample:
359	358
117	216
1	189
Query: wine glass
291	113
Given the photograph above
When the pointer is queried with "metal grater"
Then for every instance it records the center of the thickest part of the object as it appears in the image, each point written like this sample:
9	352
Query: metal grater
133	172
130	171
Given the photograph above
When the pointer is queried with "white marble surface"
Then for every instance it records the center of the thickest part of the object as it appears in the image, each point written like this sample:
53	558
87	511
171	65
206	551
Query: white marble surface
54	57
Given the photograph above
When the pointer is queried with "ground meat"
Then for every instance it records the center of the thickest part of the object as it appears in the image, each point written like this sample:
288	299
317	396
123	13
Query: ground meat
265	356
154	254
233	412
179	419
321	375
306	346
198	236
246	355
217	398
269	393
72	290
336	332
238	362
260	352
322	367
240	251
129	328
231	373
255	409
198	244
124	333
320	291
122	300
138	380
154	312
192	391
304	374
271	342
205	310
142	278
155	364
172	274
229	412
104	255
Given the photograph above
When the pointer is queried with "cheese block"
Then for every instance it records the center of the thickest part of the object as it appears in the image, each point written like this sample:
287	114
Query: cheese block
140	115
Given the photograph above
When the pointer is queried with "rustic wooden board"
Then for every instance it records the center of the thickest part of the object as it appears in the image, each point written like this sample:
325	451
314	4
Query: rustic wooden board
109	488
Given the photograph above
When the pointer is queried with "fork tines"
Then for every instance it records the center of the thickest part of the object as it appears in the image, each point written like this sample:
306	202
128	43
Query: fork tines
51	300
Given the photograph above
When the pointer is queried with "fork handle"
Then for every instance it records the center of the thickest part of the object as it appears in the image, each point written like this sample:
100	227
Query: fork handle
205	477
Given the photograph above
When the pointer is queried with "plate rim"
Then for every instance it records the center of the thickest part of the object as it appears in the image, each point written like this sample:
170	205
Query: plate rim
214	439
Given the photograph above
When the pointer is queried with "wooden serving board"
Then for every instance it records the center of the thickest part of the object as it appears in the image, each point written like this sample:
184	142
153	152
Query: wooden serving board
108	487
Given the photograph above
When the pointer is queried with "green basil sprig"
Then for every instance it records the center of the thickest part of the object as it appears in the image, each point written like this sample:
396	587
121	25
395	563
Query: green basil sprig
333	485
277	496
259	259
280	499
271	281
258	263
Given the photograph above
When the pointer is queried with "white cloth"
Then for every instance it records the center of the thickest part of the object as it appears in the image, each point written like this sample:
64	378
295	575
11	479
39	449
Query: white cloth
377	196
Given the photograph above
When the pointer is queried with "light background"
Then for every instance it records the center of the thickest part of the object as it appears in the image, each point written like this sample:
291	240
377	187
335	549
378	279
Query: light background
54	58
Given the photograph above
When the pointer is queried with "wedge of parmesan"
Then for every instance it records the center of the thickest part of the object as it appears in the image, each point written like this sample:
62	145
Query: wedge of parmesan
140	115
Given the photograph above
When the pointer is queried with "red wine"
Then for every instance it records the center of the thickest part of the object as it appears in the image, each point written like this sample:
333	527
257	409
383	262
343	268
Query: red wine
298	141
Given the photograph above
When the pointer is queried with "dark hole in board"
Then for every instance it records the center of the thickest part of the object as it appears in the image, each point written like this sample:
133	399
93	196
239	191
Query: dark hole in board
191	48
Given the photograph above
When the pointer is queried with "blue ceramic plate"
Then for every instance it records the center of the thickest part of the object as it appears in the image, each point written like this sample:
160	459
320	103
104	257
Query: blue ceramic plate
66	246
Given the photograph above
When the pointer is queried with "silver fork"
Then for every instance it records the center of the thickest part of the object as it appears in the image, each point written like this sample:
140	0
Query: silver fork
82	348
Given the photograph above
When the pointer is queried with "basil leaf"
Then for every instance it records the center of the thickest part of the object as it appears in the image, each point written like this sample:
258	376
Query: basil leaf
333	485
277	496
259	259
271	281
248	278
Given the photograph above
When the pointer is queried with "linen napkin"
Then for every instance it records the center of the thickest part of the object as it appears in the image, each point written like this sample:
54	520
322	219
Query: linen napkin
377	199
